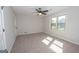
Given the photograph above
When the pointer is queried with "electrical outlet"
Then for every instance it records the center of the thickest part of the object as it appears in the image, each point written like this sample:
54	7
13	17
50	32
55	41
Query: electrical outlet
25	32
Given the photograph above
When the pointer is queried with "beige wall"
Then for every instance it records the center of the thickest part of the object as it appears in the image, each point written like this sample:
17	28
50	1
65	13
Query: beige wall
71	29
28	24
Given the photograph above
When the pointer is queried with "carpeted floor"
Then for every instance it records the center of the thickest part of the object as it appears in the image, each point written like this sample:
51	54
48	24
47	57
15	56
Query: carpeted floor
42	43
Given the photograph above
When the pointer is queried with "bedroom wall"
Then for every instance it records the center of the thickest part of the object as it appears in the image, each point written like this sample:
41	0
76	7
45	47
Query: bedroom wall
28	24
10	27
71	32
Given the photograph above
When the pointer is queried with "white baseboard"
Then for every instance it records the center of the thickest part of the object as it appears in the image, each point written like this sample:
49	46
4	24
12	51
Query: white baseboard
28	33
64	38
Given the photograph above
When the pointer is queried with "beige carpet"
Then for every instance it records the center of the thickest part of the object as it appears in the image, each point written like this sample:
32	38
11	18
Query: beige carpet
42	43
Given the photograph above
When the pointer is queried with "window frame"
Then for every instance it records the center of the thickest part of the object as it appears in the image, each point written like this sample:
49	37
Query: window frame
57	23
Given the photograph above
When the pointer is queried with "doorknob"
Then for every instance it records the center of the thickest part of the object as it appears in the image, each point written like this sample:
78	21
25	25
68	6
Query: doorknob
3	30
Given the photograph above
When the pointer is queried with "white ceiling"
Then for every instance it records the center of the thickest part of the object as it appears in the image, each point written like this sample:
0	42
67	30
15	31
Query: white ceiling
31	9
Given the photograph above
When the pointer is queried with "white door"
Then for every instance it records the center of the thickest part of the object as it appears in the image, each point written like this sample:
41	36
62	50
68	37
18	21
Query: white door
2	43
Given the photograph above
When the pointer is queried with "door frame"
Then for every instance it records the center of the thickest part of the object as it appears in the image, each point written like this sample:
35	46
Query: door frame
3	41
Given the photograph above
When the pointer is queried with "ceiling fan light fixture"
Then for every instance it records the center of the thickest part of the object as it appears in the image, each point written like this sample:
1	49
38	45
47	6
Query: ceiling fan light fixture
39	13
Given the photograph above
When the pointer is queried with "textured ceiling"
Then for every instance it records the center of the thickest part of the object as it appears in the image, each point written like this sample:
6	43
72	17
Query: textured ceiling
31	9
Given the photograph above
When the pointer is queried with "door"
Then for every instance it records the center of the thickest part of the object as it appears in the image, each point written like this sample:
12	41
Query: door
2	35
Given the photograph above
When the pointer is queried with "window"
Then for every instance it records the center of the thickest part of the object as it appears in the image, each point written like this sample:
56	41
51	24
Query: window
61	23
54	23
58	23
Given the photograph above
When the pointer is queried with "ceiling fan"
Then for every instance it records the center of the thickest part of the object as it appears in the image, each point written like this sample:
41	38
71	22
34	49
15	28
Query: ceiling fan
41	12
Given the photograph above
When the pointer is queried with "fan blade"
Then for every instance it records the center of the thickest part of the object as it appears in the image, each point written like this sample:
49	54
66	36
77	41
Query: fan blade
45	11
37	10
